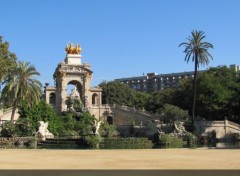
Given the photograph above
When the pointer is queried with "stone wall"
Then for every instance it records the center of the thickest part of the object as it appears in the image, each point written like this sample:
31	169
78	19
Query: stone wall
6	114
222	129
15	141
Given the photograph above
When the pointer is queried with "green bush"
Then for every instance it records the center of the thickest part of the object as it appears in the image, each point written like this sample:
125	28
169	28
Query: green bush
171	142
32	142
8	130
191	140
93	140
39	112
126	143
23	127
107	130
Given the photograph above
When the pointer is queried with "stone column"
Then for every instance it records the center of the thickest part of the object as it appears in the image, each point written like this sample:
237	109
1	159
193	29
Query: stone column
226	127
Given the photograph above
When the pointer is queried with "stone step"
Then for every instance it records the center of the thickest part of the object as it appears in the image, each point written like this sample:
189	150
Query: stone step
62	143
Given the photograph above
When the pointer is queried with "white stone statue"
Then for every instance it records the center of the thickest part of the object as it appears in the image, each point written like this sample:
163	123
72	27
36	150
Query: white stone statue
43	132
97	125
74	93
179	127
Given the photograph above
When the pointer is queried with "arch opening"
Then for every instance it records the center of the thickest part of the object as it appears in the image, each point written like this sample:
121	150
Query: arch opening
52	99
110	120
95	99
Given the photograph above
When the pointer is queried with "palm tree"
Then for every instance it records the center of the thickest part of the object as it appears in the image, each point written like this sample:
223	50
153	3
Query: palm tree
22	85
197	50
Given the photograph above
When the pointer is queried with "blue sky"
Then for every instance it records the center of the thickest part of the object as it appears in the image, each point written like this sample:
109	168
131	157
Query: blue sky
119	38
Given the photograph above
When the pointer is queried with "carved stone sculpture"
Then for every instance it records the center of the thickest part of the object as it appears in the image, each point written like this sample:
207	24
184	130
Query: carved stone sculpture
43	132
96	127
74	93
179	127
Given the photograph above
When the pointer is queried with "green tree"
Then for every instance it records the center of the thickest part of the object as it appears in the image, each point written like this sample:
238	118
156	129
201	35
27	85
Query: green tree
121	94
7	61
85	123
158	99
173	113
39	112
197	50
218	97
218	94
21	86
141	99
117	93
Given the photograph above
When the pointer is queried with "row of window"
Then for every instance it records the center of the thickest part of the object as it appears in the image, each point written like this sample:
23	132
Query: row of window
162	79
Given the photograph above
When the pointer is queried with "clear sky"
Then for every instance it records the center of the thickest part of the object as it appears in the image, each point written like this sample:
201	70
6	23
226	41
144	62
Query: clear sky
119	38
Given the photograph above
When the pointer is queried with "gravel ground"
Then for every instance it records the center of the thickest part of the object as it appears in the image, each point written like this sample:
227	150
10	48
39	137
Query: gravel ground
120	159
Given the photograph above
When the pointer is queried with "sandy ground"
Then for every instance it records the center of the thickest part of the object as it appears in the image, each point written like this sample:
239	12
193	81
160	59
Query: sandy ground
120	159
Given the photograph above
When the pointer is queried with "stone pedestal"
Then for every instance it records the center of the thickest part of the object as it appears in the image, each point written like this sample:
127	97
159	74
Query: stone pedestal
73	59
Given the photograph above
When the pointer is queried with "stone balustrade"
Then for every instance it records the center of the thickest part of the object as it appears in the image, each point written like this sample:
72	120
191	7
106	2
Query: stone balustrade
222	129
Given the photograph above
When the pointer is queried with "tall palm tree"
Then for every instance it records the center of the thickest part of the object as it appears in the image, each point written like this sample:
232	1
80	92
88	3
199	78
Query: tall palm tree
22	86
197	50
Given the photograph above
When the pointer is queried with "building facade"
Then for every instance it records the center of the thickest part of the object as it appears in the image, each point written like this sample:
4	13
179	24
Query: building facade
153	82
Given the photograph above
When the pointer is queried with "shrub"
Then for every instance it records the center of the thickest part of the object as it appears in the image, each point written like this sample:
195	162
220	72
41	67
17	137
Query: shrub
191	140
107	130
93	140
171	142
8	130
126	143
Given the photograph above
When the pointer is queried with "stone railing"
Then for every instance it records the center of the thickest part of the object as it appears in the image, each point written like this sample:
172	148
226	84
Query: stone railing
234	125
222	129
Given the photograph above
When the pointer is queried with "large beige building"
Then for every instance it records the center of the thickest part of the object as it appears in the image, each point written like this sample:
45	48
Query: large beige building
153	82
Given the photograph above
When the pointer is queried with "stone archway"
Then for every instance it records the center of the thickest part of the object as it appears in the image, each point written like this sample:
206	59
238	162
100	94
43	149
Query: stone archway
78	86
72	72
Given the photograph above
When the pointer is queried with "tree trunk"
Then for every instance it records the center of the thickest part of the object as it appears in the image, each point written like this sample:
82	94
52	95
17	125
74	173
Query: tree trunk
14	110
194	91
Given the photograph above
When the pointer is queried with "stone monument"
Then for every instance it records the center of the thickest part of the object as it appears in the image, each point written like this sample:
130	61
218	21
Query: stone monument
43	132
72	72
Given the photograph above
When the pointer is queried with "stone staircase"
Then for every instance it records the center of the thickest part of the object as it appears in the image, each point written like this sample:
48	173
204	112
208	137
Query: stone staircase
62	143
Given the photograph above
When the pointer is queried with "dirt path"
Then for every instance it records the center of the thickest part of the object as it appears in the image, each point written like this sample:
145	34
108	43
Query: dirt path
120	159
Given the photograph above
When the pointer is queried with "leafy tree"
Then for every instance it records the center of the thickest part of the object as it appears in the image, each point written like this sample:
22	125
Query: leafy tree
197	50
24	127
39	112
84	123
158	99
173	113
182	97
218	93
7	61
22	85
121	94
117	93
69	103
141	100
74	104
